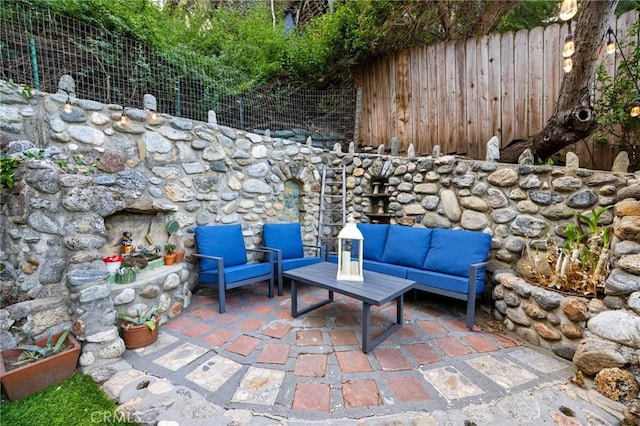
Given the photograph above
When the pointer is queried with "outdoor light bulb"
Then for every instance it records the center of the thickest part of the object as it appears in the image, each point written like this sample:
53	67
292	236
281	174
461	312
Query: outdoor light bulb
569	47
123	118
153	115
568	9
635	109
567	65
67	106
611	47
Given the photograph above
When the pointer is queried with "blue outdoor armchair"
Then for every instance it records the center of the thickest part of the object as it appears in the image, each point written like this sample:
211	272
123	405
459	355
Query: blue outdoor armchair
222	257
285	239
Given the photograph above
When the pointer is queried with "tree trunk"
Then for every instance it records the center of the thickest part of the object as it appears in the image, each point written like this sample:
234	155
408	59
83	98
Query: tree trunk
573	118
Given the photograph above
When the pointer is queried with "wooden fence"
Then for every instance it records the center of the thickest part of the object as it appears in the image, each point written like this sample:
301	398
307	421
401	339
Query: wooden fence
459	94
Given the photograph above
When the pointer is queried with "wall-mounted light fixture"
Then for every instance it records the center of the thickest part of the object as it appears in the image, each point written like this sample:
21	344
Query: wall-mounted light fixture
635	105
67	104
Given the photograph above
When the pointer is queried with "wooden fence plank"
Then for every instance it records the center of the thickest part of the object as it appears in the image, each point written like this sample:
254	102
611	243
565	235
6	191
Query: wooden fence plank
471	76
484	117
521	95
495	95
536	80
434	95
449	100
462	145
507	89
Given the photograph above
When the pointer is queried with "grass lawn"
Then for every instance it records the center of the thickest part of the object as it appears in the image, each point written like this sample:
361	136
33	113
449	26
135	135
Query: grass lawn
76	401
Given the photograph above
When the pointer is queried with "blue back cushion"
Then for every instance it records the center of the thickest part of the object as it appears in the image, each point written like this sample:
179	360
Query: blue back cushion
406	245
224	241
284	236
375	238
452	251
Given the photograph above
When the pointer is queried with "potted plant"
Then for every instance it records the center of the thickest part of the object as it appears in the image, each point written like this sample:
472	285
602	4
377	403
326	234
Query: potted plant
30	368
172	227
127	273
169	256
140	330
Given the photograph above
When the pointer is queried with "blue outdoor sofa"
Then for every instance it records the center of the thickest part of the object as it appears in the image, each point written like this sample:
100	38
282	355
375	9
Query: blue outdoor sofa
441	261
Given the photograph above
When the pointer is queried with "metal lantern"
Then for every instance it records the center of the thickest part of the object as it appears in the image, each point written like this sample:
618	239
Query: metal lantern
350	245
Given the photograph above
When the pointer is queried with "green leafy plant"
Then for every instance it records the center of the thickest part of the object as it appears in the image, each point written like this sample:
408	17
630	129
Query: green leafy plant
148	317
32	353
580	266
169	248
8	166
26	91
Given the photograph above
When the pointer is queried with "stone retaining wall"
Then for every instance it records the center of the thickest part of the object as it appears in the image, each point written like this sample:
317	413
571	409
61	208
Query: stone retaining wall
99	177
87	176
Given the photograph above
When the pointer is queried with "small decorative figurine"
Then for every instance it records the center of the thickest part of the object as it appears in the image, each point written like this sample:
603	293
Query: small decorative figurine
127	242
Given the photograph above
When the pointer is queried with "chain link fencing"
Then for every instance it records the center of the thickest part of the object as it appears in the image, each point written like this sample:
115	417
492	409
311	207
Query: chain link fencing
38	46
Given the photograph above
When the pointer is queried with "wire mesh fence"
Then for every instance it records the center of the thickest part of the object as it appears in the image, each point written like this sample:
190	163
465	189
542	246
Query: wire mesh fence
38	46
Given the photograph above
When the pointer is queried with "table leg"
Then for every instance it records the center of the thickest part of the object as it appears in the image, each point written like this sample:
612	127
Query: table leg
367	343
294	301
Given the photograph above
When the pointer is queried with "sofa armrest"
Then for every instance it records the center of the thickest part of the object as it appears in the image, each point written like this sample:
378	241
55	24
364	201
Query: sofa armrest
473	268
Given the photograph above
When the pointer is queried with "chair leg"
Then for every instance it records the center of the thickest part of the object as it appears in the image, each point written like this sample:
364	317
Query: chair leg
471	310
280	286
222	308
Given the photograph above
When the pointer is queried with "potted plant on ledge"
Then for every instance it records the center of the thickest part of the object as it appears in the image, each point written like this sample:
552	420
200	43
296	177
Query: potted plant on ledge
170	256
30	368
172	227
140	330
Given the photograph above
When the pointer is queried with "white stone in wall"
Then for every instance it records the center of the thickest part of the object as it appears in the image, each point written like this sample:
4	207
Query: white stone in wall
174	134
572	161
474	221
86	134
125	296
292	150
259	151
617	326
621	163
99	119
493	149
256	186
255	138
450	205
234	183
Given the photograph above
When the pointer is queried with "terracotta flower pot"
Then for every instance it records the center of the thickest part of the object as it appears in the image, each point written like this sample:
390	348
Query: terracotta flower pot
179	256
138	336
20	382
169	259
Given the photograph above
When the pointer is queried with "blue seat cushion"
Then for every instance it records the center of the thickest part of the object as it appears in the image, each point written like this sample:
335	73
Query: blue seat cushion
406	245
224	241
443	281
375	238
235	273
385	268
333	258
452	252
286	237
299	262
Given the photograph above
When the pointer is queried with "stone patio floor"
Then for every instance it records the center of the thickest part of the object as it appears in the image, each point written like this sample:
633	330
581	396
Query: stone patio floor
433	370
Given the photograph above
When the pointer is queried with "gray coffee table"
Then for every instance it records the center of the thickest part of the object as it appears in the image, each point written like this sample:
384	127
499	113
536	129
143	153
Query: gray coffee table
376	289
